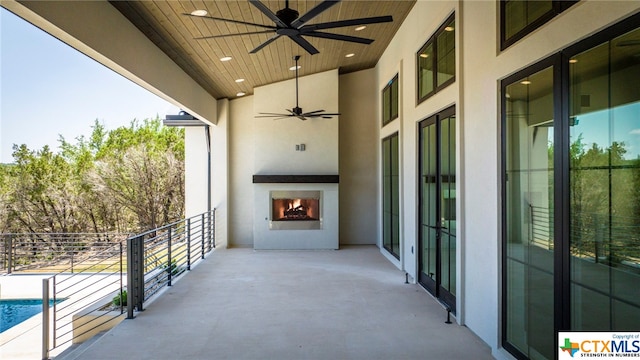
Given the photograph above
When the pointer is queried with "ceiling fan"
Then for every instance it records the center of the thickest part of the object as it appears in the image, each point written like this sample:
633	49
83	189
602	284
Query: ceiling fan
297	111
288	22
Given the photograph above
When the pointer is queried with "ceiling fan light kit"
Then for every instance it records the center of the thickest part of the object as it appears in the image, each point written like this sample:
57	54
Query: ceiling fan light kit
289	23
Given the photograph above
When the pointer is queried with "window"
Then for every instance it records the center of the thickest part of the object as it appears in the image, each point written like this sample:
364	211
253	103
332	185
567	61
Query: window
571	204
437	60
520	17
390	101
390	196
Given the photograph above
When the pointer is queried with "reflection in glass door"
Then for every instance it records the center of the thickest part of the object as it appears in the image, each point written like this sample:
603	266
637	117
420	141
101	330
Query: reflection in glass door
528	214
605	181
437	208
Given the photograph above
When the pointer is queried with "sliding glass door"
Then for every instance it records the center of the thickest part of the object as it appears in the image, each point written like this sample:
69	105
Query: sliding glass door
571	193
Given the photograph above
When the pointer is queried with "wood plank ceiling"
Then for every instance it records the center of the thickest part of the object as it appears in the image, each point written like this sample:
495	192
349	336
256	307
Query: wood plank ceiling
164	23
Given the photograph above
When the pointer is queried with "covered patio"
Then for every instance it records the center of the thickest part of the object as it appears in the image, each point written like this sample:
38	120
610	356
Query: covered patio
246	304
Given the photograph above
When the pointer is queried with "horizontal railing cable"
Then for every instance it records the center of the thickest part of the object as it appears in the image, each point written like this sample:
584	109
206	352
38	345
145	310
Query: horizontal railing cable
96	283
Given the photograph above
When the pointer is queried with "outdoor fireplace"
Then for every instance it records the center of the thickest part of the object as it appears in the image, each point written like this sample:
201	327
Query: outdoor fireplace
295	210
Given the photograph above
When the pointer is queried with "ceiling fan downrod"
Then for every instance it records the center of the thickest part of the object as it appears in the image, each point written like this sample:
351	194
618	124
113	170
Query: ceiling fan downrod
297	110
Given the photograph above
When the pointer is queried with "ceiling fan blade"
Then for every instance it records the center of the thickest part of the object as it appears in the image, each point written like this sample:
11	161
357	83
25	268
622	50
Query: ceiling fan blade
231	21
325	114
276	114
265	10
304	44
313	112
237	34
354	39
632	42
269	41
317	10
351	22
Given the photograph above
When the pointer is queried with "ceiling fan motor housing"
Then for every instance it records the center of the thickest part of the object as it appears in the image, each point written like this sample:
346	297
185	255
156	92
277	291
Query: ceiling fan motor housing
287	15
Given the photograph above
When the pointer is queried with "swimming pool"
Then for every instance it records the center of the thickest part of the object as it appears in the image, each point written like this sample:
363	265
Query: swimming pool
15	311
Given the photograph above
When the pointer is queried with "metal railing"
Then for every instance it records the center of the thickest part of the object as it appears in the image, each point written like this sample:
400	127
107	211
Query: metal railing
121	278
612	240
161	255
53	252
541	230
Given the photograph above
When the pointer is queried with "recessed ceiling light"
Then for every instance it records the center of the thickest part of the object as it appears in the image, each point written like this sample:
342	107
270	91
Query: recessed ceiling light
293	67
525	82
239	80
449	28
226	58
573	61
199	13
350	55
360	28
424	56
240	94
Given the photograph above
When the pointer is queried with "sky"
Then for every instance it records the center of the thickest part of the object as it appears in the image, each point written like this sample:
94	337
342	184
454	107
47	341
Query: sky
48	88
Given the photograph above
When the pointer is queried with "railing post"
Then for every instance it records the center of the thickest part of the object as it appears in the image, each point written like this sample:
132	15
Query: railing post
135	275
140	270
54	327
203	232
210	224
45	319
169	264
121	285
9	250
131	281
189	244
213	228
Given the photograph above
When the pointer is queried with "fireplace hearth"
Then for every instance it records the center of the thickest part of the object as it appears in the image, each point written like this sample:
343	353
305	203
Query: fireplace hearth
295	210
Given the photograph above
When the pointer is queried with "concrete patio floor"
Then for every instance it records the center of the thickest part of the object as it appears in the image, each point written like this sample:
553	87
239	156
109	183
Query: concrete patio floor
246	304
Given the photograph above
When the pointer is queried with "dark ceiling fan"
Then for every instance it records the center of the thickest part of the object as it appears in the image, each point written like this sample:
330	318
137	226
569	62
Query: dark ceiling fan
288	22
297	111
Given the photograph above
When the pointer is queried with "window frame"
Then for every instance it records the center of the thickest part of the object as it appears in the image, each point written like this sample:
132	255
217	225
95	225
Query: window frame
390	250
433	41
557	7
392	97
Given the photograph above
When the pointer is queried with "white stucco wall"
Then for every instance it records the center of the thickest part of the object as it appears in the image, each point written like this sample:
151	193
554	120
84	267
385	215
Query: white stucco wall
359	159
241	154
195	171
275	140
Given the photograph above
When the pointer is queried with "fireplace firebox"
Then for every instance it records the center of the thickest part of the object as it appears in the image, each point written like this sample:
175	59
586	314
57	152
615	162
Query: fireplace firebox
295	210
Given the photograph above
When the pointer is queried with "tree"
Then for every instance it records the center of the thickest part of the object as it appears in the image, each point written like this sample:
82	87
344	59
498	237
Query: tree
122	180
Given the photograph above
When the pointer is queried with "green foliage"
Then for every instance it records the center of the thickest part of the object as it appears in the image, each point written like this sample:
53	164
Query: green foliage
119	299
122	180
175	269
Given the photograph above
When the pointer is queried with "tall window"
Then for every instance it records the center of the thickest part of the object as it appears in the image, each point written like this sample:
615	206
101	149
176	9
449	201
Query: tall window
571	193
437	60
390	101
520	17
390	196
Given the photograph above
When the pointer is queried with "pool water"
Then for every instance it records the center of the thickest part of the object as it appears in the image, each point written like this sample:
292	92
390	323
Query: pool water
15	311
